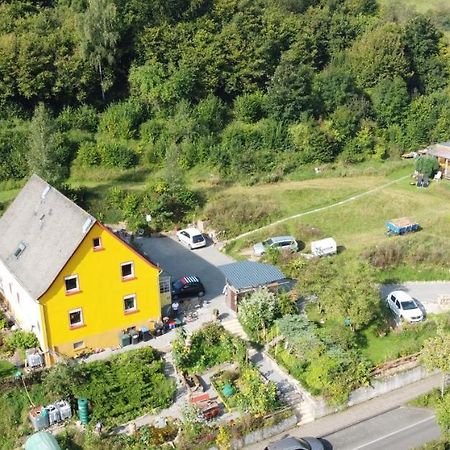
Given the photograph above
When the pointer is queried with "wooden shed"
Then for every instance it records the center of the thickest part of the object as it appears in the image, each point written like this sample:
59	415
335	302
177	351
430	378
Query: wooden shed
244	277
442	153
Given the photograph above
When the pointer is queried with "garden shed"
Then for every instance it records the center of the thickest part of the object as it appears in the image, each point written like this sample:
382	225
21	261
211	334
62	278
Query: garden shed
244	277
442	153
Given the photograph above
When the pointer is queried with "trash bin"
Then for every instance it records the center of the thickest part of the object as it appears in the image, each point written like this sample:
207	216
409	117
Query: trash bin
145	333
125	339
134	336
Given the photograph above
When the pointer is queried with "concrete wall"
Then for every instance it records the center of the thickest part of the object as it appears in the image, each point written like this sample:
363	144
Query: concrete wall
378	387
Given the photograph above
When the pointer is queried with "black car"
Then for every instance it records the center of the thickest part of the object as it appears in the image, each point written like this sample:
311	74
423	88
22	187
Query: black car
188	286
291	443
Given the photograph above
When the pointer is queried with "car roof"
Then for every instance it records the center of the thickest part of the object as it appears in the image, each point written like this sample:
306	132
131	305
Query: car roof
288	443
192	231
402	296
190	279
282	238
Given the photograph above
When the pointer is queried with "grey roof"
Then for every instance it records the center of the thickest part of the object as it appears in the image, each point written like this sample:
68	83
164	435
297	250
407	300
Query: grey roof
247	274
441	150
39	232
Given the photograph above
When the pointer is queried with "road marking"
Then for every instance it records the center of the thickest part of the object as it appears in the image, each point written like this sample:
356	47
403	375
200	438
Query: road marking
393	433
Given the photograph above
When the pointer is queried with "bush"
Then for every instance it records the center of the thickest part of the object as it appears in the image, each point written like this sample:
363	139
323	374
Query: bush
121	120
84	117
89	154
117	155
233	215
21	340
250	108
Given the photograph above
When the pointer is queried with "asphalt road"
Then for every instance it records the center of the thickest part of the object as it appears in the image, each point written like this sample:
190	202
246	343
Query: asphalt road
403	428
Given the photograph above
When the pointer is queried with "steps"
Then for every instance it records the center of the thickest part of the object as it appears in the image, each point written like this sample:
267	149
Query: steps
234	327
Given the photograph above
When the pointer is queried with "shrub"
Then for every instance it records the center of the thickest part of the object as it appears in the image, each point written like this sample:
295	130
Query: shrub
250	108
258	312
232	215
121	120
21	340
117	155
89	154
84	117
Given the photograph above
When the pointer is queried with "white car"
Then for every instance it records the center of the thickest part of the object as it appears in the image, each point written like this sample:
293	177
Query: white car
191	237
404	307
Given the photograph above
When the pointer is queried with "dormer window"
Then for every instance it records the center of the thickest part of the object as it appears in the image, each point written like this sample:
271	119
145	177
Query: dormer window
97	243
20	249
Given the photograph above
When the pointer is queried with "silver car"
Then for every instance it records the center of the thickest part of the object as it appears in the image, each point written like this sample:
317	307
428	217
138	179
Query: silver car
278	242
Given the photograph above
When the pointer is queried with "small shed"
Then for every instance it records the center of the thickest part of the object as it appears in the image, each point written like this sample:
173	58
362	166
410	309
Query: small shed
442	153
244	277
42	440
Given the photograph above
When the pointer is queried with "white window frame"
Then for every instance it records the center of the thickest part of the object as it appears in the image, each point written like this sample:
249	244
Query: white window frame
127	277
127	297
164	285
70	277
99	246
79	345
81	322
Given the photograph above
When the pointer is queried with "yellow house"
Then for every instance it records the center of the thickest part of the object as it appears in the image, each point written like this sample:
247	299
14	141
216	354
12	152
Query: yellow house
70	279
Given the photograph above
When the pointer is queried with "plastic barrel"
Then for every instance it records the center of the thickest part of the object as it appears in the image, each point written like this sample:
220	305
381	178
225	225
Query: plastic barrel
83	411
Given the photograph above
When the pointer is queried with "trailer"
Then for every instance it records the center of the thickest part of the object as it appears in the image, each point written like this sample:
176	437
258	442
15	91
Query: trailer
324	247
401	226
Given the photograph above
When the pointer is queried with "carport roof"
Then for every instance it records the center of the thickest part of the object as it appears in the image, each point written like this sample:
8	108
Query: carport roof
248	274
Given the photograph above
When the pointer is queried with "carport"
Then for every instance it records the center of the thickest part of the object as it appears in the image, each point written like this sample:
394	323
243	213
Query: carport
244	277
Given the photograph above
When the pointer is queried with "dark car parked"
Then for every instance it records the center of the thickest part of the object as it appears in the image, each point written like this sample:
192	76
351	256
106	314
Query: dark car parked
291	443
188	286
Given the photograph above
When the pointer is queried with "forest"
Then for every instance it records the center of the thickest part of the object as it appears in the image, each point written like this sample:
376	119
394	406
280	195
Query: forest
249	90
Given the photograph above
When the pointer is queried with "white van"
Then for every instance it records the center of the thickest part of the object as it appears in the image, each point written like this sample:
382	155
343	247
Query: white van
324	247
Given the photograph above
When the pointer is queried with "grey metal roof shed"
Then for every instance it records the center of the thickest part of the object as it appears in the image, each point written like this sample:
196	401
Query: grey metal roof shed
244	275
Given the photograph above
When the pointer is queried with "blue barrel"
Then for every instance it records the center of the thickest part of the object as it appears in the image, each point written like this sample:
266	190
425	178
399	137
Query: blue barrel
83	410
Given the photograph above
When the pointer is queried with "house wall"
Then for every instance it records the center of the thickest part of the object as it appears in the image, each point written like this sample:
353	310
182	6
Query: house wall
100	295
22	306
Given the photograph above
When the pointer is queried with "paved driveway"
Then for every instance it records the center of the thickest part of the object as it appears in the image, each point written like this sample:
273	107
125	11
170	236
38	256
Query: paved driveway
178	260
426	293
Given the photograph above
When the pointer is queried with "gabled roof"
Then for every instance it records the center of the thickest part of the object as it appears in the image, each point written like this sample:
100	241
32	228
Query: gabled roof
441	150
39	232
249	274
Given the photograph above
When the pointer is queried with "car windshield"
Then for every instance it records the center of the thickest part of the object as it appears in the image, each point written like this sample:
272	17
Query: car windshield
268	243
197	238
177	284
408	304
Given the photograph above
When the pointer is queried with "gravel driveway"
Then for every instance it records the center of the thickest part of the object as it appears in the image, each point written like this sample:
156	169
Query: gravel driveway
427	293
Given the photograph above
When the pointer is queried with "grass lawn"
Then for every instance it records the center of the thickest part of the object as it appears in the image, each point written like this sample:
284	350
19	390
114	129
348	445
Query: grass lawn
358	224
397	343
6	368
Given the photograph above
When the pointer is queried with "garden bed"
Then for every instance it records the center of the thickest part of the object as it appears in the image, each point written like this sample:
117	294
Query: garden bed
244	388
209	346
118	389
